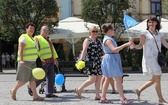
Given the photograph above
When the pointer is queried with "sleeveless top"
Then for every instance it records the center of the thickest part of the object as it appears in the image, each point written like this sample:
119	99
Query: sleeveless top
94	53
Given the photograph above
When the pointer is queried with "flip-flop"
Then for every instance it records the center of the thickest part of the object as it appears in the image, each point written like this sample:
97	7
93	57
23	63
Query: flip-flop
77	93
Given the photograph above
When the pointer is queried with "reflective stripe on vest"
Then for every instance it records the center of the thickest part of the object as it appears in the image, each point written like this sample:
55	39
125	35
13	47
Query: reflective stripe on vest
45	51
30	50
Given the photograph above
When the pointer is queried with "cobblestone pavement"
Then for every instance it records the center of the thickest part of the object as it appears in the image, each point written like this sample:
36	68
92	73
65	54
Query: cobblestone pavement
135	80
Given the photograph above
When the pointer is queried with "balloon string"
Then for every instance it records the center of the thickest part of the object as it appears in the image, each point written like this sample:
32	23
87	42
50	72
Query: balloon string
58	69
31	69
28	67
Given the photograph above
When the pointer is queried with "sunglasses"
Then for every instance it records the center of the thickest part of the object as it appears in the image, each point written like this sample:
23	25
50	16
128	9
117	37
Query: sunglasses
113	29
45	30
95	31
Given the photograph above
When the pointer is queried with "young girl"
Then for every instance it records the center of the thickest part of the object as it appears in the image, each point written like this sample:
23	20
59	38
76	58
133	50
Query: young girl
111	63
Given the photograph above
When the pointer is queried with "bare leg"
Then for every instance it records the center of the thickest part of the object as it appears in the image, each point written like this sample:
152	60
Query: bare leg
157	79
105	87
14	90
103	79
88	82
146	85
33	88
17	86
97	86
120	87
112	84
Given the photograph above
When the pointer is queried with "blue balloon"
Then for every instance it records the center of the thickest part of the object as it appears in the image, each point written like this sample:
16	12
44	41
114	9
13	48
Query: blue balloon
59	79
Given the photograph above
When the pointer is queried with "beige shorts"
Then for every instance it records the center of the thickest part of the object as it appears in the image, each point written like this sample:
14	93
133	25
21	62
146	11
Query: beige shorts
24	74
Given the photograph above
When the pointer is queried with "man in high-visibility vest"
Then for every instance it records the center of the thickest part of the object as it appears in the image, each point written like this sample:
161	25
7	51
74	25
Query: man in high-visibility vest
48	56
27	55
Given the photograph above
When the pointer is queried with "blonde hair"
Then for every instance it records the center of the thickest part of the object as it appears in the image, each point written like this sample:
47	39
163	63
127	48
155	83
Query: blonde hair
92	28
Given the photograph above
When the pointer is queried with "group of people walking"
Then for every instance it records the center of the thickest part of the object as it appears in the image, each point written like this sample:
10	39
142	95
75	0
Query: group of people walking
105	55
28	51
111	67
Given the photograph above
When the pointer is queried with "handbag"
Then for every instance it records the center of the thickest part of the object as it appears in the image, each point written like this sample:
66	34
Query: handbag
161	58
89	64
84	64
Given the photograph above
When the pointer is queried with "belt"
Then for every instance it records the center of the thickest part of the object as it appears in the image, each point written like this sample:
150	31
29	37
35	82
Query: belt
111	53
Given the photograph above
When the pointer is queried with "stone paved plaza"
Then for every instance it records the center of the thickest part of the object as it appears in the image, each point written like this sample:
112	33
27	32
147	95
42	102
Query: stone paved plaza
135	80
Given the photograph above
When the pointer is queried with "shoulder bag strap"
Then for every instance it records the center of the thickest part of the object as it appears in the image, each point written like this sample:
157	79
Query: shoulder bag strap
155	42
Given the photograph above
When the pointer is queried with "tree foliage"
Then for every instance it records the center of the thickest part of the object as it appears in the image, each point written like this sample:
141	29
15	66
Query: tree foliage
15	14
103	11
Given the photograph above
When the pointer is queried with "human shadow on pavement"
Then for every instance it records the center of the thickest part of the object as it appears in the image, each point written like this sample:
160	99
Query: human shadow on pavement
93	91
73	99
64	98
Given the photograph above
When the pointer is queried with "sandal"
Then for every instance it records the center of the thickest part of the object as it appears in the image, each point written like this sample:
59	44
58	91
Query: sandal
137	93
105	101
13	95
38	99
162	103
126	101
96	98
77	93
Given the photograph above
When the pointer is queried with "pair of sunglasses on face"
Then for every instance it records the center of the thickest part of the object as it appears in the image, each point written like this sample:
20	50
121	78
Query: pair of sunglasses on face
95	31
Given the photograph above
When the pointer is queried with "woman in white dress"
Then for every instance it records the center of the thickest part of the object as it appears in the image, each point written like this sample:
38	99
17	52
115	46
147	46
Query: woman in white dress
150	65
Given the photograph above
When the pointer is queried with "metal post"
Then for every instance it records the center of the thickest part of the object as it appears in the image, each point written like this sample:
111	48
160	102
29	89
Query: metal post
0	56
158	15
63	86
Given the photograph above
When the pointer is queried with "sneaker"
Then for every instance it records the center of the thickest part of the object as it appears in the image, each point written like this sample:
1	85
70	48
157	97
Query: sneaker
29	90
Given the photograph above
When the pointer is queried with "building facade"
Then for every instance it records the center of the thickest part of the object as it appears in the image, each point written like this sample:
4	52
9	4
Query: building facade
140	10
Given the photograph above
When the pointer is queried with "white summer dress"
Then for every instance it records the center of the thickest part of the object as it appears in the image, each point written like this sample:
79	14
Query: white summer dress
150	52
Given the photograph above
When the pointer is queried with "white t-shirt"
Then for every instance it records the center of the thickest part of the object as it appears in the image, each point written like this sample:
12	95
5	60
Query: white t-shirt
22	40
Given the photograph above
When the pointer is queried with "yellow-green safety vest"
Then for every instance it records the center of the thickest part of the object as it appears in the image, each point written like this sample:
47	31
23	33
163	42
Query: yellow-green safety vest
30	50
44	50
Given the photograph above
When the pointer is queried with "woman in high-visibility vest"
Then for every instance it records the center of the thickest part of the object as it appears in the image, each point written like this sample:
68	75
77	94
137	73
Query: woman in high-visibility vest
48	57
27	55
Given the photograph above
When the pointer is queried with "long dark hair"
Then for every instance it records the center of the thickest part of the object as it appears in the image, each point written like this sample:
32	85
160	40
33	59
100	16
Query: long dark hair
158	26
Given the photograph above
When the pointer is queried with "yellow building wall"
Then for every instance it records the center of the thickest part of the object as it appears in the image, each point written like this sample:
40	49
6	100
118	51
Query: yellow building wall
76	7
140	11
